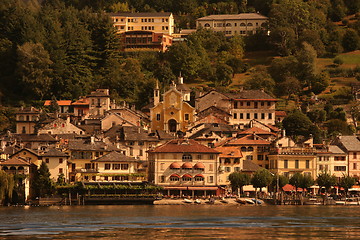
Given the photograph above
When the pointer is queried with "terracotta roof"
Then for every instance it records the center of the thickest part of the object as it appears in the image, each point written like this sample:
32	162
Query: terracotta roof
60	102
141	14
183	146
82	101
115	157
54	153
255	130
187	165
228	151
280	113
244	16
15	161
175	165
249	140
199	165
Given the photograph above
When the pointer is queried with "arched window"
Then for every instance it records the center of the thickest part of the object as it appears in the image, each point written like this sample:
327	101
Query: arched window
250	149
5	168
250	24
199	178
242	24
236	160
207	25
243	149
228	25
227	160
186	178
13	168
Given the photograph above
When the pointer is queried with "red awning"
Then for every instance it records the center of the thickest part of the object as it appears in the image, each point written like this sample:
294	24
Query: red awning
199	165
175	165
289	188
186	165
187	176
174	175
192	188
199	175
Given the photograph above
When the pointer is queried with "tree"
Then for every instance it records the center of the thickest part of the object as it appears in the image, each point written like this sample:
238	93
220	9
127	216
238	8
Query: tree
296	180
297	124
279	181
260	79
347	182
238	180
337	126
351	40
324	179
41	184
261	178
355	113
223	75
7	185
34	69
306	181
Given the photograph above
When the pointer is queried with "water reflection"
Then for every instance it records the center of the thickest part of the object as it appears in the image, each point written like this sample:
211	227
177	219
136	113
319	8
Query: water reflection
180	222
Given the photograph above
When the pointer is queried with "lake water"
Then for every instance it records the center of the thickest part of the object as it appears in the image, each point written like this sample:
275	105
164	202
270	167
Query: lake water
180	222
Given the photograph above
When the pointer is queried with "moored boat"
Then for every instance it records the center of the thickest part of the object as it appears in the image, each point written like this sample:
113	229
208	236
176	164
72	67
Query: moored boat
187	200
197	201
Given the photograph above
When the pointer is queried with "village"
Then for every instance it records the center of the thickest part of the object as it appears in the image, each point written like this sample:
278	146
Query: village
182	149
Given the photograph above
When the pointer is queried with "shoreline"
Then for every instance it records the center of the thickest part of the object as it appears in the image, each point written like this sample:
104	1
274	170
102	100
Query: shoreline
230	201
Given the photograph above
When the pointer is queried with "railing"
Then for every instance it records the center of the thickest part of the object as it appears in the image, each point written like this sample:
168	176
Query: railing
87	170
294	150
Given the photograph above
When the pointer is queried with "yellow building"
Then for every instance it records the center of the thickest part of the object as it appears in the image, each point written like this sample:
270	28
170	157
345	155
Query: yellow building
232	24
289	160
173	113
229	161
26	119
158	22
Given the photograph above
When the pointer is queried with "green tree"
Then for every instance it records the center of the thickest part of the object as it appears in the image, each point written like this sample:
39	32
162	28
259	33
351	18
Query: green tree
261	178
324	179
34	69
41	184
238	180
223	75
351	40
297	124
347	182
279	181
7	184
306	182
260	79
296	180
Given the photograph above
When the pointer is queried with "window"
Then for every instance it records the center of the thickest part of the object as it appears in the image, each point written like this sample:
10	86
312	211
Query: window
270	116
286	164
174	179
248	116
340	168
248	104
116	166
131	151
227	169
107	166
237	169
206	25
158	117
250	149
255	115
354	166
228	25
187	158
262	104
241	116
60	170
235	115
211	156
60	160
227	161
106	178
162	179
296	163
199	156
124	166
46	160
354	155
321	167
211	167
199	179
186	116
235	105
260	157
242	24
211	179
243	149
236	160
307	163
250	24
339	158
269	104
141	152
249	157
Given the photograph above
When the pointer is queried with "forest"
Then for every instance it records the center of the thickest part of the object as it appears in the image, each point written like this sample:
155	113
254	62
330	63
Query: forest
63	49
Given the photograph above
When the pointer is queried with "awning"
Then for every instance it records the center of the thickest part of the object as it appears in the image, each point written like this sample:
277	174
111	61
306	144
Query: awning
199	175
186	165
199	165
192	188
175	165
175	175
187	176
289	188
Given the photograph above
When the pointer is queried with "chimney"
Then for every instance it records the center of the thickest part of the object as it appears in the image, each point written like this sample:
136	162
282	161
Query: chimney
180	79
92	139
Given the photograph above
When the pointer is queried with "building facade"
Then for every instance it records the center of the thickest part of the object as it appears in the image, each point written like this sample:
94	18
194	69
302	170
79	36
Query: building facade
234	24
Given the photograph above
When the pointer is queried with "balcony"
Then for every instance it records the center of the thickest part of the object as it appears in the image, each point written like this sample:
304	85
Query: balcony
294	151
87	170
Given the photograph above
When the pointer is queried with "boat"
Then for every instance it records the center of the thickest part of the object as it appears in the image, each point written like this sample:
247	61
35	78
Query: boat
257	201
241	201
249	201
223	200
340	202
313	201
187	200
351	201
197	201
